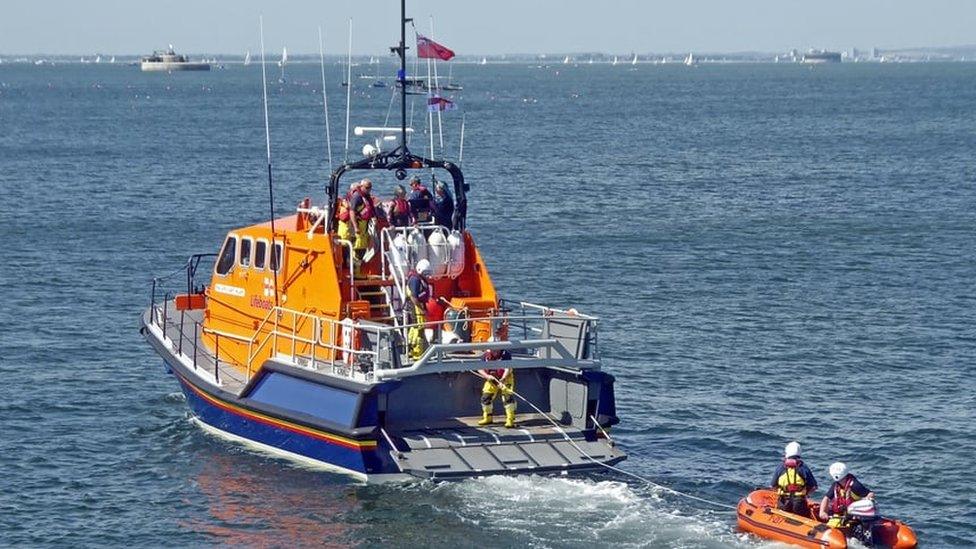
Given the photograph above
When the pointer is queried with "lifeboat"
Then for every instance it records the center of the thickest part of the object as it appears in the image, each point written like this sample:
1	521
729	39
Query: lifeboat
295	340
757	514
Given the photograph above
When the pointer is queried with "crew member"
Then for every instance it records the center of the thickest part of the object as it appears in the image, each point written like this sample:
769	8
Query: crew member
845	490
420	200
793	480
418	292
497	380
443	206
354	217
399	215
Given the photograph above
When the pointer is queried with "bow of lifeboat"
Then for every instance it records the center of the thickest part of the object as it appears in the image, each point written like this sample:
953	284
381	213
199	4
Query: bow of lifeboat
757	514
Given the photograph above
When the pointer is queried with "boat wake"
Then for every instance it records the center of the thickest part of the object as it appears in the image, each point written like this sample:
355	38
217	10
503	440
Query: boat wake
568	512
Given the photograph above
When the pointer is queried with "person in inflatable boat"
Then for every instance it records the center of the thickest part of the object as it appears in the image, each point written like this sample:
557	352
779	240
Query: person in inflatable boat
793	480
845	490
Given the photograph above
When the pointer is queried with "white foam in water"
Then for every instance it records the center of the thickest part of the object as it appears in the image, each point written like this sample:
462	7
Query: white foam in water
552	511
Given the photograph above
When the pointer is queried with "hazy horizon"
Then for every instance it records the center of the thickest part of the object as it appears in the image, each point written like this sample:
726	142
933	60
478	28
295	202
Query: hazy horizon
113	27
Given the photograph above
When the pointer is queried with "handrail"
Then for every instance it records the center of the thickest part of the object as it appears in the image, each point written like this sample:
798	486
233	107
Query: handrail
324	333
352	270
438	349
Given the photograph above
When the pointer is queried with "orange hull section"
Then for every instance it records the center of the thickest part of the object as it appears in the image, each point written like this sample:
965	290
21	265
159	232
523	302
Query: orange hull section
757	514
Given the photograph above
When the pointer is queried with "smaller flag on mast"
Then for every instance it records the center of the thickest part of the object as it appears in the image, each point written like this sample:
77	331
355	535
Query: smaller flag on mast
428	49
437	103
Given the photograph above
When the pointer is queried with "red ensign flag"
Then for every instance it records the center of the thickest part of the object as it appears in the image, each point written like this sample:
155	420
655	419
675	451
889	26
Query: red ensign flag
428	49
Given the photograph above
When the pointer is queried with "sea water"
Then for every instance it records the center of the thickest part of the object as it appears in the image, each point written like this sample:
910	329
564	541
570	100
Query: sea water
776	253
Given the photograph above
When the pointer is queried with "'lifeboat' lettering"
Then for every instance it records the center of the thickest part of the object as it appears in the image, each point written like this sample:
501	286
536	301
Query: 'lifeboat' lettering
261	303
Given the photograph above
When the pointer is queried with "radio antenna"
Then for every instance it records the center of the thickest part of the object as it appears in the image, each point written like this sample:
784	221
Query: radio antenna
325	101
276	259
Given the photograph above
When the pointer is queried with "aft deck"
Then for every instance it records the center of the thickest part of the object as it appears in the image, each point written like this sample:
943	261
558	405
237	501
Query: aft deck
459	447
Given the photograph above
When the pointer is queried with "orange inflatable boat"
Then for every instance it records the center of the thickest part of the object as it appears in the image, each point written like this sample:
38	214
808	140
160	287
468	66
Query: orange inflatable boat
757	514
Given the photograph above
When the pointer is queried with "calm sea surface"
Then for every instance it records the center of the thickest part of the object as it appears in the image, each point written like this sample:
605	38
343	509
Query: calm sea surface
776	252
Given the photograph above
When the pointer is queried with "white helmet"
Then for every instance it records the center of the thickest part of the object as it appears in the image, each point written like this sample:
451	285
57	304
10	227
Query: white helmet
838	471
792	449
423	267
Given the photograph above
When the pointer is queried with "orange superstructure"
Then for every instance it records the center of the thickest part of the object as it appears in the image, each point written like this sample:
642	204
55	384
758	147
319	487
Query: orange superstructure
305	269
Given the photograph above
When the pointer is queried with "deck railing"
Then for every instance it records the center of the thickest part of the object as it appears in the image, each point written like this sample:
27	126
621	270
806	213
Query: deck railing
541	335
534	334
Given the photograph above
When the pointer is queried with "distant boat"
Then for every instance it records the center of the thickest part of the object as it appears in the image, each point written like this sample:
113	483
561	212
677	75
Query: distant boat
112	60
614	60
282	63
566	60
590	62
821	56
169	60
634	60
98	58
484	61
690	60
247	58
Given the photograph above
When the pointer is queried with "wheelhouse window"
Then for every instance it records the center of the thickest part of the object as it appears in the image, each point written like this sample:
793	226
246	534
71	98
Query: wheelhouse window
260	254
246	245
276	257
227	256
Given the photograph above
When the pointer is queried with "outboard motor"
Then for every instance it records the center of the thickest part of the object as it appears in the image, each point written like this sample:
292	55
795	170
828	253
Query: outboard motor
862	515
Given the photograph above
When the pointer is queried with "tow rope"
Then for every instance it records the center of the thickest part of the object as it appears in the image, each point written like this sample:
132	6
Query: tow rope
600	463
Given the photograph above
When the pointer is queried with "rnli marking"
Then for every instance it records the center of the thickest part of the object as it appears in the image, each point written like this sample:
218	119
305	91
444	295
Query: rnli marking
229	290
269	287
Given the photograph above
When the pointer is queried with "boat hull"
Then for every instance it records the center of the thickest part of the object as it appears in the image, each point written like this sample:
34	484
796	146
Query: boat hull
148	66
757	514
327	450
333	423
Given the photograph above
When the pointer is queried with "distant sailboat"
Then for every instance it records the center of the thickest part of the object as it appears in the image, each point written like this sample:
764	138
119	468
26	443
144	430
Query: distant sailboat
247	58
634	60
282	63
614	60
112	60
484	61
566	60
98	58
690	60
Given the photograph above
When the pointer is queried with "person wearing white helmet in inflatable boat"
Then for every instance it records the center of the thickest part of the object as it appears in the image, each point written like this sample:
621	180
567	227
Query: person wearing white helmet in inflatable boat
793	481
418	292
845	490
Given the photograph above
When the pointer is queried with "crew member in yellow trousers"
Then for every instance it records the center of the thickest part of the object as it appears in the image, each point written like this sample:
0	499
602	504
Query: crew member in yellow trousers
418	291
497	380
355	212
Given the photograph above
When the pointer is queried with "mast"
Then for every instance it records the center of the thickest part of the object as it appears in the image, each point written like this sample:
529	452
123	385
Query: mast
403	77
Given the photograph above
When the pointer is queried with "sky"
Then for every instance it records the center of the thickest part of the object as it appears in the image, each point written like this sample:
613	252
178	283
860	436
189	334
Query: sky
489	27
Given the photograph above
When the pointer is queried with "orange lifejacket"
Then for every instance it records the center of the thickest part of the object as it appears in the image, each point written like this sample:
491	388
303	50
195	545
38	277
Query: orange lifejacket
364	212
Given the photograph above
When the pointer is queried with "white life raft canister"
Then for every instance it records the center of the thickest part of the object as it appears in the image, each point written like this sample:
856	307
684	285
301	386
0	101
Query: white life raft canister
400	253
417	245
438	253
455	242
